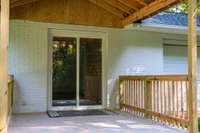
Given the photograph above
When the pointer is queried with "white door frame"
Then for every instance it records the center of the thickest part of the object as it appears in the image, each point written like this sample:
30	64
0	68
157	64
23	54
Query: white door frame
77	34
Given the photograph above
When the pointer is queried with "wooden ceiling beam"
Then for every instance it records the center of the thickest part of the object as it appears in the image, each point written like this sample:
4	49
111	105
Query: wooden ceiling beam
119	5
129	4
16	3
107	7
148	10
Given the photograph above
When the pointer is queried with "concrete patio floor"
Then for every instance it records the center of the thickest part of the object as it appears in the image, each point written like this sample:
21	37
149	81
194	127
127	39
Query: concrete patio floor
41	123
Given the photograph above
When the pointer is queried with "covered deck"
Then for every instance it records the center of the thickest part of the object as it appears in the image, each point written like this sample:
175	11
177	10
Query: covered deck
148	111
148	104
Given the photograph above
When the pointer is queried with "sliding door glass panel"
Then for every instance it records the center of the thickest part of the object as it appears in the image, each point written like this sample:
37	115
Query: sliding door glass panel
90	92
64	71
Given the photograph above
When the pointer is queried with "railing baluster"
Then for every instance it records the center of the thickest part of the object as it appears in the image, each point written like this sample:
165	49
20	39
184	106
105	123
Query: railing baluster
139	93
187	99
177	99
135	94
128	94
157	98
125	94
138	96
182	101
142	93
161	96
169	99
131	93
120	94
173	98
165	99
157	94
154	101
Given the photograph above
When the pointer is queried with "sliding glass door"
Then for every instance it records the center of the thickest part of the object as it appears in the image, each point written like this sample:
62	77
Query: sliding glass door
90	71
76	77
64	71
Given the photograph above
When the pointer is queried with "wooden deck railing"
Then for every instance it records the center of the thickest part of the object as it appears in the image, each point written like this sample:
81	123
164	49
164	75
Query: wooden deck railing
163	98
10	95
6	105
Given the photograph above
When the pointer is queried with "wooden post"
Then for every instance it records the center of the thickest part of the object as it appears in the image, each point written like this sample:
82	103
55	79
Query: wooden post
4	40
192	66
148	98
121	93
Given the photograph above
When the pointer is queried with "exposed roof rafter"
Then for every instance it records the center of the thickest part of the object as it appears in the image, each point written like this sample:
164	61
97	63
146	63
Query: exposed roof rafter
141	2
148	10
119	5
126	11
129	4
107	7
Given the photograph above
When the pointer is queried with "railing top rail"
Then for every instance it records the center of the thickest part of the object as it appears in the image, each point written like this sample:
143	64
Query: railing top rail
177	77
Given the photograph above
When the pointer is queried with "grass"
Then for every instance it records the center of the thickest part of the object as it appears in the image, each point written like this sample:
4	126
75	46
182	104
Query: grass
199	125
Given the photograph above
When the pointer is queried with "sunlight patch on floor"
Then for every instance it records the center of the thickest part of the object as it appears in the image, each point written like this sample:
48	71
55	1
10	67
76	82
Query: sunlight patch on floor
105	125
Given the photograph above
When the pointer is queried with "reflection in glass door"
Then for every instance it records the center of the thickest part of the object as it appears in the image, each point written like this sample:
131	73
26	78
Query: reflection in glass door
77	72
64	71
90	71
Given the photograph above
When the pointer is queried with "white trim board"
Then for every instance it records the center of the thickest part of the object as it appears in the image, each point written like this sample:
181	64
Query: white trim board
177	42
160	28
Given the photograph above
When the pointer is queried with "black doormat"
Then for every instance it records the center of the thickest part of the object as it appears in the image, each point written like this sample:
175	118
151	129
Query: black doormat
72	113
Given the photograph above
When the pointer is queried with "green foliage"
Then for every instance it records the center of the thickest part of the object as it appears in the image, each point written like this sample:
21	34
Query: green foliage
183	7
199	125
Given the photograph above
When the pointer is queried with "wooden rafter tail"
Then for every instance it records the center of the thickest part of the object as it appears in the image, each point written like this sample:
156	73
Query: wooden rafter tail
108	8
148	10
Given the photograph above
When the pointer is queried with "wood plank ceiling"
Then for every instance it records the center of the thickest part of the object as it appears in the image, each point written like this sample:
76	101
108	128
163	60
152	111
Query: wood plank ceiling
128	11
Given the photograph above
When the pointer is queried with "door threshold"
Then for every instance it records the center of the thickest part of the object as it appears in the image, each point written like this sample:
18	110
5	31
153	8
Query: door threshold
72	113
67	108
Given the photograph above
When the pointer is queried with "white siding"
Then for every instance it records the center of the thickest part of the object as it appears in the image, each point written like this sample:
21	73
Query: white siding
28	63
129	52
176	59
176	56
132	53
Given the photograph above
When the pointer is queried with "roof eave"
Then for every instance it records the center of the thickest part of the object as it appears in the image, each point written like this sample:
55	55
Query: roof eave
160	28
